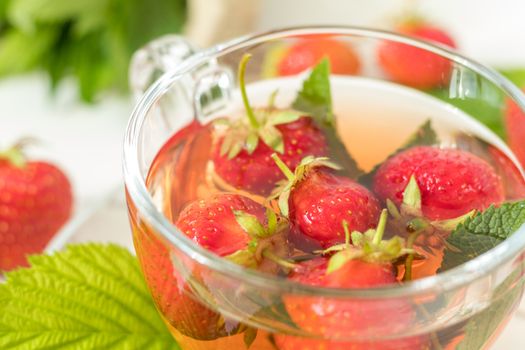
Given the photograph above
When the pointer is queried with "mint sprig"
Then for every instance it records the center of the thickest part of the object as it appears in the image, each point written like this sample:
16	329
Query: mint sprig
86	297
315	99
482	232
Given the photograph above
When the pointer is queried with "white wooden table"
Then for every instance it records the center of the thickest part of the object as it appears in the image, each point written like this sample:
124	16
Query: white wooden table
86	140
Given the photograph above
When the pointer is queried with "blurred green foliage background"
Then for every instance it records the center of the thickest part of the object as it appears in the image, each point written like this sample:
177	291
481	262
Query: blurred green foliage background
92	40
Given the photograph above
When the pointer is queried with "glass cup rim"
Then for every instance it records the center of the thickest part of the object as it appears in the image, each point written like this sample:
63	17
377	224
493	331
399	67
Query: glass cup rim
136	189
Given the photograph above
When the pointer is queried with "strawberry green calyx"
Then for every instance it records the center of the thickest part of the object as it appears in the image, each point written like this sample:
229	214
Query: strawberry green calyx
260	246
368	246
410	217
15	154
282	192
412	198
411	213
259	124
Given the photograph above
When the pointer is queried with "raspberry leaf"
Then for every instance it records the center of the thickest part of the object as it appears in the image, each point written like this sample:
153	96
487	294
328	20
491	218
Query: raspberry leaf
86	297
482	232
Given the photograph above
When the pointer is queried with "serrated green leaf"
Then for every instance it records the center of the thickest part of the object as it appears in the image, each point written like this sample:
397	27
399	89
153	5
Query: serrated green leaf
315	97
482	232
86	297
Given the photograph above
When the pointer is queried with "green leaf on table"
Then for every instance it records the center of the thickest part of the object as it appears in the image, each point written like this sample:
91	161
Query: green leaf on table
482	232
88	296
425	135
315	99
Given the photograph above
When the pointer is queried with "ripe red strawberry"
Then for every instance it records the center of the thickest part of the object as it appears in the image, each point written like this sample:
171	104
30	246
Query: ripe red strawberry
452	182
513	180
241	154
515	127
306	53
229	225
352	267
412	66
317	201
35	201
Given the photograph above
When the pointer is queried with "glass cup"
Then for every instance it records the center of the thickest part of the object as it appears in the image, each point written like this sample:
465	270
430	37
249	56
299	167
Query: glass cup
211	303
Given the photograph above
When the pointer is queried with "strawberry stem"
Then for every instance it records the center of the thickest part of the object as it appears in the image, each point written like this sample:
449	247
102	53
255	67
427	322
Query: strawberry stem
249	111
347	234
380	230
284	168
268	254
14	156
416	227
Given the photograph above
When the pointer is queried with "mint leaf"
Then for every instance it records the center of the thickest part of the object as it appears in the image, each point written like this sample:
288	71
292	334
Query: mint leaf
482	232
315	98
86	297
482	326
423	136
488	111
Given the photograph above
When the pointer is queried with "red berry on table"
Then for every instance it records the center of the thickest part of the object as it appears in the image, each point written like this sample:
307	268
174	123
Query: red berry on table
316	201
352	267
241	153
35	202
515	127
306	53
413	66
452	182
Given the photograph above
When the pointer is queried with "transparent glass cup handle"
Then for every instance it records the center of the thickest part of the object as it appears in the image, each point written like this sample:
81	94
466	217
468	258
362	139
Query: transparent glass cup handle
207	89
